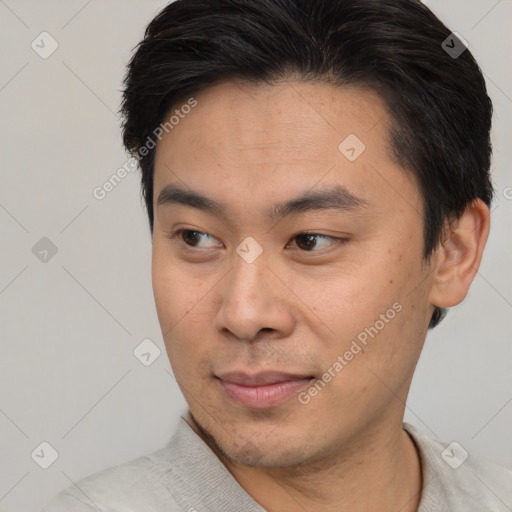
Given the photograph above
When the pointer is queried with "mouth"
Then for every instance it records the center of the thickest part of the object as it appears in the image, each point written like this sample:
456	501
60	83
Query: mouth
262	390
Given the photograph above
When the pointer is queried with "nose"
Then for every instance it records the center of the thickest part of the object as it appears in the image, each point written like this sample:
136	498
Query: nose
254	301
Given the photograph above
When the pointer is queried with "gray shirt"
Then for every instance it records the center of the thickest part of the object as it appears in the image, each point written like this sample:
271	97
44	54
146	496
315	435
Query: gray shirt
186	476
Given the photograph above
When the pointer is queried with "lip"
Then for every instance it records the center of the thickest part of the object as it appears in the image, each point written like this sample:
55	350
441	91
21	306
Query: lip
262	390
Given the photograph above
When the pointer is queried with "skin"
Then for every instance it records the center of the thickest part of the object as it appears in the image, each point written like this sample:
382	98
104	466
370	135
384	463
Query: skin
296	310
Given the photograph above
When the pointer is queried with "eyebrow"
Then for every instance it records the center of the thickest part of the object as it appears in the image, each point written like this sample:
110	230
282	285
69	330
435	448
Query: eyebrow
336	197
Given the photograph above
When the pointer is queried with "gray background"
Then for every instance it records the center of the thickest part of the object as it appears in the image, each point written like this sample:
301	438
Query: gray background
68	375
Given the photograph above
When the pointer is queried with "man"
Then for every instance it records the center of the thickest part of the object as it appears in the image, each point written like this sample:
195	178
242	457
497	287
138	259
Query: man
316	176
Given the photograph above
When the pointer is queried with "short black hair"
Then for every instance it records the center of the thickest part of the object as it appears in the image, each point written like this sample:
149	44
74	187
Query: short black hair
438	102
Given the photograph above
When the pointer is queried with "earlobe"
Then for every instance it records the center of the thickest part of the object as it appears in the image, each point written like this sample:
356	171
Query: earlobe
458	257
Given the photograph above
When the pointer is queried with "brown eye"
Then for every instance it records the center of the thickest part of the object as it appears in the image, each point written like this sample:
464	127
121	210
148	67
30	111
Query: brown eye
306	241
193	238
310	241
190	237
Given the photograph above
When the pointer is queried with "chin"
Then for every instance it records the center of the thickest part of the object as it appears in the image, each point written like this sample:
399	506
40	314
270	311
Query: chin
253	455
260	447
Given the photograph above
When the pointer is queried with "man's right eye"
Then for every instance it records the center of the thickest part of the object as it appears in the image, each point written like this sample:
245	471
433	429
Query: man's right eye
191	237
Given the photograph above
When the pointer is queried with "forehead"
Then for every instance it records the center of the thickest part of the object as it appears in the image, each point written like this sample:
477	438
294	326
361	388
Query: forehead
276	118
259	140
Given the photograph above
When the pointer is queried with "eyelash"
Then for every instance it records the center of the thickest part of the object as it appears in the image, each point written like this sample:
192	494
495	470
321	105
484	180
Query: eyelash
336	241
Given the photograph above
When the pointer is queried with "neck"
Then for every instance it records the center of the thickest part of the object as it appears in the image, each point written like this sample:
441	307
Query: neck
379	471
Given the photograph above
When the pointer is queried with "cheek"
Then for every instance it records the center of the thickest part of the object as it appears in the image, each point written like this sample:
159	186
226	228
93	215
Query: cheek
181	301
351	299
389	315
167	289
175	288
172	299
363	300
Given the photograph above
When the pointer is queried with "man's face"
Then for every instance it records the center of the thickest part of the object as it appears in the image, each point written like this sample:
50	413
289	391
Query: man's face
249	334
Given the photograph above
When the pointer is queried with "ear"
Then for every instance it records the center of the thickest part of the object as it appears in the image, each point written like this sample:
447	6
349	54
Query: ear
458	257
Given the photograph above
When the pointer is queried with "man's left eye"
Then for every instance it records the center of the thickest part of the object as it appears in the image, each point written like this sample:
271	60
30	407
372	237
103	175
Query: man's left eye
309	241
